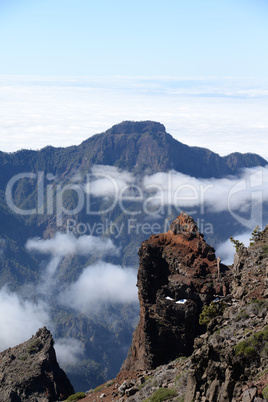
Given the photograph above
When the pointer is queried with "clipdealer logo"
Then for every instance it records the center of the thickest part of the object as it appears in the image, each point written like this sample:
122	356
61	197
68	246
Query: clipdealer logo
150	199
251	188
99	193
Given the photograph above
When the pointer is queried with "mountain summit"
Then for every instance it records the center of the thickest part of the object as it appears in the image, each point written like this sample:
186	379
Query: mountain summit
142	146
146	146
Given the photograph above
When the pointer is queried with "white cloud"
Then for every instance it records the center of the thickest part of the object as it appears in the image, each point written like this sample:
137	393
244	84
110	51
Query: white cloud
225	115
226	250
109	181
19	319
69	351
63	245
99	284
245	193
242	195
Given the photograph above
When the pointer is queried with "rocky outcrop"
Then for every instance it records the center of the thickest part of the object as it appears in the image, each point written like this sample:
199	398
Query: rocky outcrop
229	361
30	372
250	269
178	273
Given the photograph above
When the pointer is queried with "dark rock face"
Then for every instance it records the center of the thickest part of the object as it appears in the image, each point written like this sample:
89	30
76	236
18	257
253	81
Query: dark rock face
230	361
178	273
30	372
146	146
250	270
142	146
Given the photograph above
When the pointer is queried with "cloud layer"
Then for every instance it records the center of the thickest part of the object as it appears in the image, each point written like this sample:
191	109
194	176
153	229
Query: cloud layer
63	245
19	319
225	115
226	250
99	284
69	351
243	195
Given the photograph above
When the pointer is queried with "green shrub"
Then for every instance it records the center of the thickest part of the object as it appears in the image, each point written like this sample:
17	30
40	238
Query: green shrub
265	392
24	357
211	311
76	397
265	249
162	394
35	346
237	244
256	344
255	235
242	314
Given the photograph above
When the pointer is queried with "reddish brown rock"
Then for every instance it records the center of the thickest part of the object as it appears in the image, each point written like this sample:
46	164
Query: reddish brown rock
178	273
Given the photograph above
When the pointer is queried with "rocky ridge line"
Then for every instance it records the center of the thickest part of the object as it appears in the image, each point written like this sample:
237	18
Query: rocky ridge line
30	372
229	362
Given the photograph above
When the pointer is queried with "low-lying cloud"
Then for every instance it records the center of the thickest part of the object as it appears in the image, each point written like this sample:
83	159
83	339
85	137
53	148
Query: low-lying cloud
69	351
226	250
19	318
242	195
63	245
109	180
100	284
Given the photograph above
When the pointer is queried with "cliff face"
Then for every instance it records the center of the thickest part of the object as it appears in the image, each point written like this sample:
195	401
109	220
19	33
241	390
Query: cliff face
229	361
30	372
178	273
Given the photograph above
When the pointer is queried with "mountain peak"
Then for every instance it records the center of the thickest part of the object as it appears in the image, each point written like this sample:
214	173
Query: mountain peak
137	127
31	371
178	274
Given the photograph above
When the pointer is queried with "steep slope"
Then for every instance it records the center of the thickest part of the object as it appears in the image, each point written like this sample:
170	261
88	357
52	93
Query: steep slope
178	273
140	146
29	372
229	362
145	146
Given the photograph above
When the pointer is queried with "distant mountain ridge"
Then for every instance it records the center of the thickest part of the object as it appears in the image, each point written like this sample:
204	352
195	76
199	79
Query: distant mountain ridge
139	147
143	146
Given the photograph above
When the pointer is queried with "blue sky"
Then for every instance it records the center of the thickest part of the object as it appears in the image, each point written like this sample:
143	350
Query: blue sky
122	37
72	68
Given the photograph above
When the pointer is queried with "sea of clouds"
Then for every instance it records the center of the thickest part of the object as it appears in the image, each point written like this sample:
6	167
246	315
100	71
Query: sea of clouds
98	284
222	114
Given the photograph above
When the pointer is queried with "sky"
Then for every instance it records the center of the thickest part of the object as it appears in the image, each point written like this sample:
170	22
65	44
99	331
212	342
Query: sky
72	68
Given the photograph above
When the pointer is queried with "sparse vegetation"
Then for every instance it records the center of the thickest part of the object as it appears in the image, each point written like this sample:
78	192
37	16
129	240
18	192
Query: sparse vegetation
162	394
35	346
147	379
243	315
237	244
255	235
76	397
262	373
24	357
256	344
211	311
265	392
265	249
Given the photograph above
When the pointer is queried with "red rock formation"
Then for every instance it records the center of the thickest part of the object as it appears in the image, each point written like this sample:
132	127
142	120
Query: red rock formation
178	273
